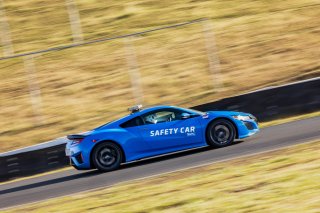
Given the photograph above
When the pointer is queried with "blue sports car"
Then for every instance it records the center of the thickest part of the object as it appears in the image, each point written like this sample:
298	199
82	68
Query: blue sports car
156	131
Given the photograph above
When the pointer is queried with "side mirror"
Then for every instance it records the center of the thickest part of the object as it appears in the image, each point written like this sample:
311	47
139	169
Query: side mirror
185	115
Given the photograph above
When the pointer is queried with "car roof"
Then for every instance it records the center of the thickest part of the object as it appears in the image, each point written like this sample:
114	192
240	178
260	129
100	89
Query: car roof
149	109
116	122
154	108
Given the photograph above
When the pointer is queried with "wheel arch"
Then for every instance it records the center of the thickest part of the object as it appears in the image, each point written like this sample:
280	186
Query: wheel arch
224	118
107	141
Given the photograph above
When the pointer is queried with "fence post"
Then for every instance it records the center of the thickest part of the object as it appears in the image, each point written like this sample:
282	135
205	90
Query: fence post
34	89
75	23
212	53
133	70
5	32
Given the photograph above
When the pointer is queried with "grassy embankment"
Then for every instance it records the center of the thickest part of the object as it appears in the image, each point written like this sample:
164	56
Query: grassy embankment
280	181
260	43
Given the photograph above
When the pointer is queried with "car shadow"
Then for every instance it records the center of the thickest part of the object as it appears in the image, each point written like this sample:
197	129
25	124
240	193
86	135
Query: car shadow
171	156
96	172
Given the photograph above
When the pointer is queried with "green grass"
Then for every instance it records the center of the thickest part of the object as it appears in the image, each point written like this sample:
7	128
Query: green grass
260	43
286	180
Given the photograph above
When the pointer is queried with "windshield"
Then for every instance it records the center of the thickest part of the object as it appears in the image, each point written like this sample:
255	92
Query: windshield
196	111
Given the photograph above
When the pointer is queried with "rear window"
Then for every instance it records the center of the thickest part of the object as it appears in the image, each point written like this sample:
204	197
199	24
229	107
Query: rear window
132	123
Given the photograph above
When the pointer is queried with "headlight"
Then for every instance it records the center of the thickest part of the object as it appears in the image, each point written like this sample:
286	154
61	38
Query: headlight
254	118
242	117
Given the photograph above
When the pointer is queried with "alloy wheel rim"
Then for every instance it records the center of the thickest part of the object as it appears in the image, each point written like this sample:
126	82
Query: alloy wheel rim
220	134
107	156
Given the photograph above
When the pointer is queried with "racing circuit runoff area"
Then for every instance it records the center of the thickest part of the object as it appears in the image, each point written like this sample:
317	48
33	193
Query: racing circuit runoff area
71	181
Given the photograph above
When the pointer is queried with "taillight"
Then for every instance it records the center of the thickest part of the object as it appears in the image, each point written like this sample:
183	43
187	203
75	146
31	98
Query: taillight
76	141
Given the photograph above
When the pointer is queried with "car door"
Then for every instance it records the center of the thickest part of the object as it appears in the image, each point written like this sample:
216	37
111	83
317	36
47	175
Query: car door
166	129
134	143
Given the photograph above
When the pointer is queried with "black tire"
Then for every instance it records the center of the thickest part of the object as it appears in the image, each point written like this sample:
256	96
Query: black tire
106	156
220	133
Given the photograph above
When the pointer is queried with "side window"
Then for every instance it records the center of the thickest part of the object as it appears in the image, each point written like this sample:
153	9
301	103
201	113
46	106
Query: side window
132	123
162	116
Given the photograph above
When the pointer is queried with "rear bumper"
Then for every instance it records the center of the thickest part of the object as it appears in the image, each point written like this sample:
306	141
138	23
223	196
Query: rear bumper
76	165
79	159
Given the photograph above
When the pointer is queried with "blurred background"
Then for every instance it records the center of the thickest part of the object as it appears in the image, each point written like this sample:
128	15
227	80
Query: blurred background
235	47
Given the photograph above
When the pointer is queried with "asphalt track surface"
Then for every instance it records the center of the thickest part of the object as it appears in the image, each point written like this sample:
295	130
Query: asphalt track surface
72	181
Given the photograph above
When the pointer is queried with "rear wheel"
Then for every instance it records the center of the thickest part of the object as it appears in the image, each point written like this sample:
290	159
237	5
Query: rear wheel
107	156
220	133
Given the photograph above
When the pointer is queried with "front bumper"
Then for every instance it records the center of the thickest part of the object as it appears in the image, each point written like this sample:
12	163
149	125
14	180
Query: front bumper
247	128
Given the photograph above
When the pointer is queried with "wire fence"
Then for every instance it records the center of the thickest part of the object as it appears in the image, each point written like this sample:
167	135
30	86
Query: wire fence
78	86
104	39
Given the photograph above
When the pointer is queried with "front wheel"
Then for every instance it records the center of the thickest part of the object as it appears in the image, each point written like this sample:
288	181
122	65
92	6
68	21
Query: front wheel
220	133
107	156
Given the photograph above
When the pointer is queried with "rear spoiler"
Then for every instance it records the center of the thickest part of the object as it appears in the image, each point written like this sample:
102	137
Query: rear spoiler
76	137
